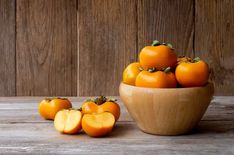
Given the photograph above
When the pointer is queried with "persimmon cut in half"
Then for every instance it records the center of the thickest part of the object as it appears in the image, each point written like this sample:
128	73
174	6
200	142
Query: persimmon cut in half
68	121
96	125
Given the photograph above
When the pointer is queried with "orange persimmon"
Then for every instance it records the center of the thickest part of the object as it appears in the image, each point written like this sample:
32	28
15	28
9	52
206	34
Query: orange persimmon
50	106
156	79
193	73
130	73
159	56
100	105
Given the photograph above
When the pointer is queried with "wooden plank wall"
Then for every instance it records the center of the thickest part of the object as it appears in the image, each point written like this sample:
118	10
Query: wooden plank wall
7	48
46	48
80	47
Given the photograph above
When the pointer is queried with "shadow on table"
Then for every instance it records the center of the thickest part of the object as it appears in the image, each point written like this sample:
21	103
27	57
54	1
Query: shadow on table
123	129
213	127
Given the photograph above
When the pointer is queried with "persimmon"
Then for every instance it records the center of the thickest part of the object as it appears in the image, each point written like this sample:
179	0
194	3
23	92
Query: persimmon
159	56
96	125
100	105
130	73
156	79
50	106
68	121
193	73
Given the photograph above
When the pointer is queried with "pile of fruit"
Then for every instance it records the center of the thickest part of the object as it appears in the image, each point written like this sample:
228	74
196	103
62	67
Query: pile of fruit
96	117
159	67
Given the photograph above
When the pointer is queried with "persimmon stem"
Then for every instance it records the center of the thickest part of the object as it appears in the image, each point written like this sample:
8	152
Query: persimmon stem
100	100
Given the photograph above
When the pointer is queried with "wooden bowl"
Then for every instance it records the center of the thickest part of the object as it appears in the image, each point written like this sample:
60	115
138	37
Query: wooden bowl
166	111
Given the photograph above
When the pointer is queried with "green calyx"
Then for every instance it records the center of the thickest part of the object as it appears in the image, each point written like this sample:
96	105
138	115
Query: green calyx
167	70
157	43
196	59
151	70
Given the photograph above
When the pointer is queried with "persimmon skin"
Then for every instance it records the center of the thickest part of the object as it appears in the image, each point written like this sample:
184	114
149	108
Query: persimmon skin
159	57
158	79
171	80
49	107
91	107
192	74
130	73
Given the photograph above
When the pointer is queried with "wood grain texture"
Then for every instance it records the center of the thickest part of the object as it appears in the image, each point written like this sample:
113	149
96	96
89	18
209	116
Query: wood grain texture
22	134
106	44
214	39
167	21
173	111
7	48
46	47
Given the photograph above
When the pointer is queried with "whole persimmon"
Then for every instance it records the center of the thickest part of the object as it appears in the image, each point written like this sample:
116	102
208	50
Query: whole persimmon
159	56
193	73
50	106
100	105
156	79
130	73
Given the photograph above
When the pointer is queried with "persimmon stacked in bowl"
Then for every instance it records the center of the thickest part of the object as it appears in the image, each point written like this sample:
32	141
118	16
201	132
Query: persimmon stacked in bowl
166	94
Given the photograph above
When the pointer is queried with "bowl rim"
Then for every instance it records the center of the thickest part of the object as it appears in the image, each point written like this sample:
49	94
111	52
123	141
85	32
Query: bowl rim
188	88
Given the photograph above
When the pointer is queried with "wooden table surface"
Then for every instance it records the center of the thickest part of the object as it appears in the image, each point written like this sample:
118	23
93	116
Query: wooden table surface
23	131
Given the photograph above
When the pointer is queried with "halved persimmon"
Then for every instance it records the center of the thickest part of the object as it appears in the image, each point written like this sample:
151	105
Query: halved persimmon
68	121
96	125
101	104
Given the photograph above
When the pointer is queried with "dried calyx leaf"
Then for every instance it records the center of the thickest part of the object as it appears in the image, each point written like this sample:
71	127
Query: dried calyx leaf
102	99
153	69
51	98
157	43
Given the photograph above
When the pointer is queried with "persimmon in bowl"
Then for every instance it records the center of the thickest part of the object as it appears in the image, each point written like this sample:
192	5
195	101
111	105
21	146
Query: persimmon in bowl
166	94
166	111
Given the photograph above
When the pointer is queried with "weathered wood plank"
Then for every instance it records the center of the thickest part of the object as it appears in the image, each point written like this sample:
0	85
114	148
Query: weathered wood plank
24	132
13	110
7	48
18	109
214	37
125	139
46	47
107	43
168	21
